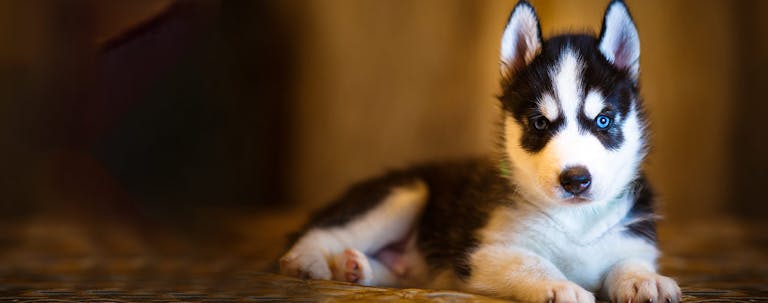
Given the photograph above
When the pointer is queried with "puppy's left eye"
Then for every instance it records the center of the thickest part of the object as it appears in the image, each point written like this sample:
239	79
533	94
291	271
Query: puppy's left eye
602	121
540	123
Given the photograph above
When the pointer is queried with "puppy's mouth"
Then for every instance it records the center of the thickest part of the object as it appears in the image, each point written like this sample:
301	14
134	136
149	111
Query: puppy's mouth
576	199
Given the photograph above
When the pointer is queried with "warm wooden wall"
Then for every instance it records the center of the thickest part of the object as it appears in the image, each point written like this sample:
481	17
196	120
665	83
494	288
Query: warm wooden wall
388	83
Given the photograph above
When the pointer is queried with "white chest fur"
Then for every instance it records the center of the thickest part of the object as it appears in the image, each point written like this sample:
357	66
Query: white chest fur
582	241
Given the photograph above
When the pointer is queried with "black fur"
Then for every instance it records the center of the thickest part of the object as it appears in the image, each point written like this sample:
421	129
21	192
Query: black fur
461	194
461	198
643	211
616	85
528	84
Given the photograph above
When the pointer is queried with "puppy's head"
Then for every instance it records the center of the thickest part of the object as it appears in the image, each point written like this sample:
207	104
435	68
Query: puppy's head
573	122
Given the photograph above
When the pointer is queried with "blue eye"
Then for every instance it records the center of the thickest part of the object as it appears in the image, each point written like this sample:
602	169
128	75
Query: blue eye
540	123
602	121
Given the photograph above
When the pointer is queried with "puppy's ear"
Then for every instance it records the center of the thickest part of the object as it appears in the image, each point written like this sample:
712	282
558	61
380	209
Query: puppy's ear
619	41
521	39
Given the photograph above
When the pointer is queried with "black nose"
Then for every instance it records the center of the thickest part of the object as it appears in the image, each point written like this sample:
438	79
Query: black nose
575	180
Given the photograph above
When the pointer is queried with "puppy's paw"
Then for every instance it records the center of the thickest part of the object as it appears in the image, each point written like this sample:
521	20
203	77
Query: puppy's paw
566	291
557	292
644	287
352	266
305	265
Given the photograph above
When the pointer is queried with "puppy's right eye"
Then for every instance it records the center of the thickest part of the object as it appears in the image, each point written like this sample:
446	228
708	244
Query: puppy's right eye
540	123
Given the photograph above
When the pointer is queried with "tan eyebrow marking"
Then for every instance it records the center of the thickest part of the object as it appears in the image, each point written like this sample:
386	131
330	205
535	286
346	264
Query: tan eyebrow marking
548	107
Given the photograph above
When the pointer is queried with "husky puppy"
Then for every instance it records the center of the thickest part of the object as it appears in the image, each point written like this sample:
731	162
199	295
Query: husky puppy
563	215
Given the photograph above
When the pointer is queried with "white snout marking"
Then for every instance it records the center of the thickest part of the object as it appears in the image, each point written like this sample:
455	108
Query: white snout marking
571	148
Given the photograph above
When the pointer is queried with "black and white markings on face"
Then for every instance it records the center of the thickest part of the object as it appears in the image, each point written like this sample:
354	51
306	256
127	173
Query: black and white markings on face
571	108
571	105
570	84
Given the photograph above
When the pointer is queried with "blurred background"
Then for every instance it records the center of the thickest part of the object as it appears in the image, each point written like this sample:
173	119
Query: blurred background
161	114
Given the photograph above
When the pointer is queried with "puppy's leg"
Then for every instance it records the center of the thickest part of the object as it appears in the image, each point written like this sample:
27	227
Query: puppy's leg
637	281
523	276
389	222
307	259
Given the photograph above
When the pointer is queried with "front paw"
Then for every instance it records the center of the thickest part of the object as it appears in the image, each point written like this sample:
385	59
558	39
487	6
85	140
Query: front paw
560	292
641	287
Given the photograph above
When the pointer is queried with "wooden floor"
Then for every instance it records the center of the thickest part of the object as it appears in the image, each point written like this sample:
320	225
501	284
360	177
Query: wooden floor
222	258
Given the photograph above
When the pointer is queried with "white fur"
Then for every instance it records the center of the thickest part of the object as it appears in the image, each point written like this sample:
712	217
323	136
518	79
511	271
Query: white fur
567	84
593	104
388	222
545	245
522	29
620	43
517	273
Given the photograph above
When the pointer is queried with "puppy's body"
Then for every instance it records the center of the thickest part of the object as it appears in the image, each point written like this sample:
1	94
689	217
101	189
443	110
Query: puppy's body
563	213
